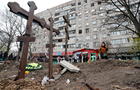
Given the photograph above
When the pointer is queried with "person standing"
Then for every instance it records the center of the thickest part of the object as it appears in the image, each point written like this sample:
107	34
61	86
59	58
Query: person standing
58	59
103	51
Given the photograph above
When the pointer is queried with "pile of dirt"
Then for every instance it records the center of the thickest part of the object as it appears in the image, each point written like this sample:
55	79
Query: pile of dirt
105	75
25	84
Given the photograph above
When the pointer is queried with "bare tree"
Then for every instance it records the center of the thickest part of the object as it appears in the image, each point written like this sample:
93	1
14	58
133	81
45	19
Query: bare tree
126	14
11	26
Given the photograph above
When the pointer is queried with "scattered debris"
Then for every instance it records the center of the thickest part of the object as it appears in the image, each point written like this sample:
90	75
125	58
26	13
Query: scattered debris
67	66
118	87
67	81
138	67
45	80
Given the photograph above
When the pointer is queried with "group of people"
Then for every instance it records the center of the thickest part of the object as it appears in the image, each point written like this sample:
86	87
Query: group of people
5	56
74	58
102	54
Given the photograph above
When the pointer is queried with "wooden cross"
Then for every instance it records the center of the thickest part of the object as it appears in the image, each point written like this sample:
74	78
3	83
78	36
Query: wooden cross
15	8
50	46
26	39
67	21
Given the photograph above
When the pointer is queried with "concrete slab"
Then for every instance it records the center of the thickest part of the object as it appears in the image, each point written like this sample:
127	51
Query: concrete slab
69	66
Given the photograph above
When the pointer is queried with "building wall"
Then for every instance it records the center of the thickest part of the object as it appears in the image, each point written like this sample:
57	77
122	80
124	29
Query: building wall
87	18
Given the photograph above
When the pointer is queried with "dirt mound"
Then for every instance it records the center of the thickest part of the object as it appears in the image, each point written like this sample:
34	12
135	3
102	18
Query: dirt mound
105	75
25	84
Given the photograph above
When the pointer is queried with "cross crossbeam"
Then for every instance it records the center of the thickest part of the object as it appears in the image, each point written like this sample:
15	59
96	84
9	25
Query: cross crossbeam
15	8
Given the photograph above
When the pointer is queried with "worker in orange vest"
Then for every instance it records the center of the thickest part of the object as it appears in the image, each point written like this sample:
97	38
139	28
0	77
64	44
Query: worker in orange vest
103	51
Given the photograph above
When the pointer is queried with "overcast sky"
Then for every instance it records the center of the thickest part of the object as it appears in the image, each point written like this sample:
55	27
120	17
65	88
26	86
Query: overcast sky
41	4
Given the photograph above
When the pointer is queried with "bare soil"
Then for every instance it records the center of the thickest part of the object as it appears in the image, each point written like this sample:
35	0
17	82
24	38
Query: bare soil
100	75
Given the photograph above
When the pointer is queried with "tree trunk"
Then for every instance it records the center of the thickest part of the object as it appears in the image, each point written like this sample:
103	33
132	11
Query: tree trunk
8	49
137	27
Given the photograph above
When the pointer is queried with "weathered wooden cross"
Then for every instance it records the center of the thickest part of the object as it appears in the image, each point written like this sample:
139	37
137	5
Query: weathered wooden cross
15	8
67	21
50	46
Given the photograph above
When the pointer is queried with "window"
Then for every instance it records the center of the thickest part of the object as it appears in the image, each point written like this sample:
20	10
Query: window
107	11
87	45
61	28
85	1
92	4
73	26
86	12
59	40
56	19
120	41
72	32
118	33
73	9
85	7
71	45
61	34
64	46
56	14
73	4
94	36
94	22
80	25
72	16
99	2
113	25
79	3
124	32
101	8
87	38
87	30
95	29
95	44
73	37
93	10
80	31
86	17
87	24
101	14
104	35
79	45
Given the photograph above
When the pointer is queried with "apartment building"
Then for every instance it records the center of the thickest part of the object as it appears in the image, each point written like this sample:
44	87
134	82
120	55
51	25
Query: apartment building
87	18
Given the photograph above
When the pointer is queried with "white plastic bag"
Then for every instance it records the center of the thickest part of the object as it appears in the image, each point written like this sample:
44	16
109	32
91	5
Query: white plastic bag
44	80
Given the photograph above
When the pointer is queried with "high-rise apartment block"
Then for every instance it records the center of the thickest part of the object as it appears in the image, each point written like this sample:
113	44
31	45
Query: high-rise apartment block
88	30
